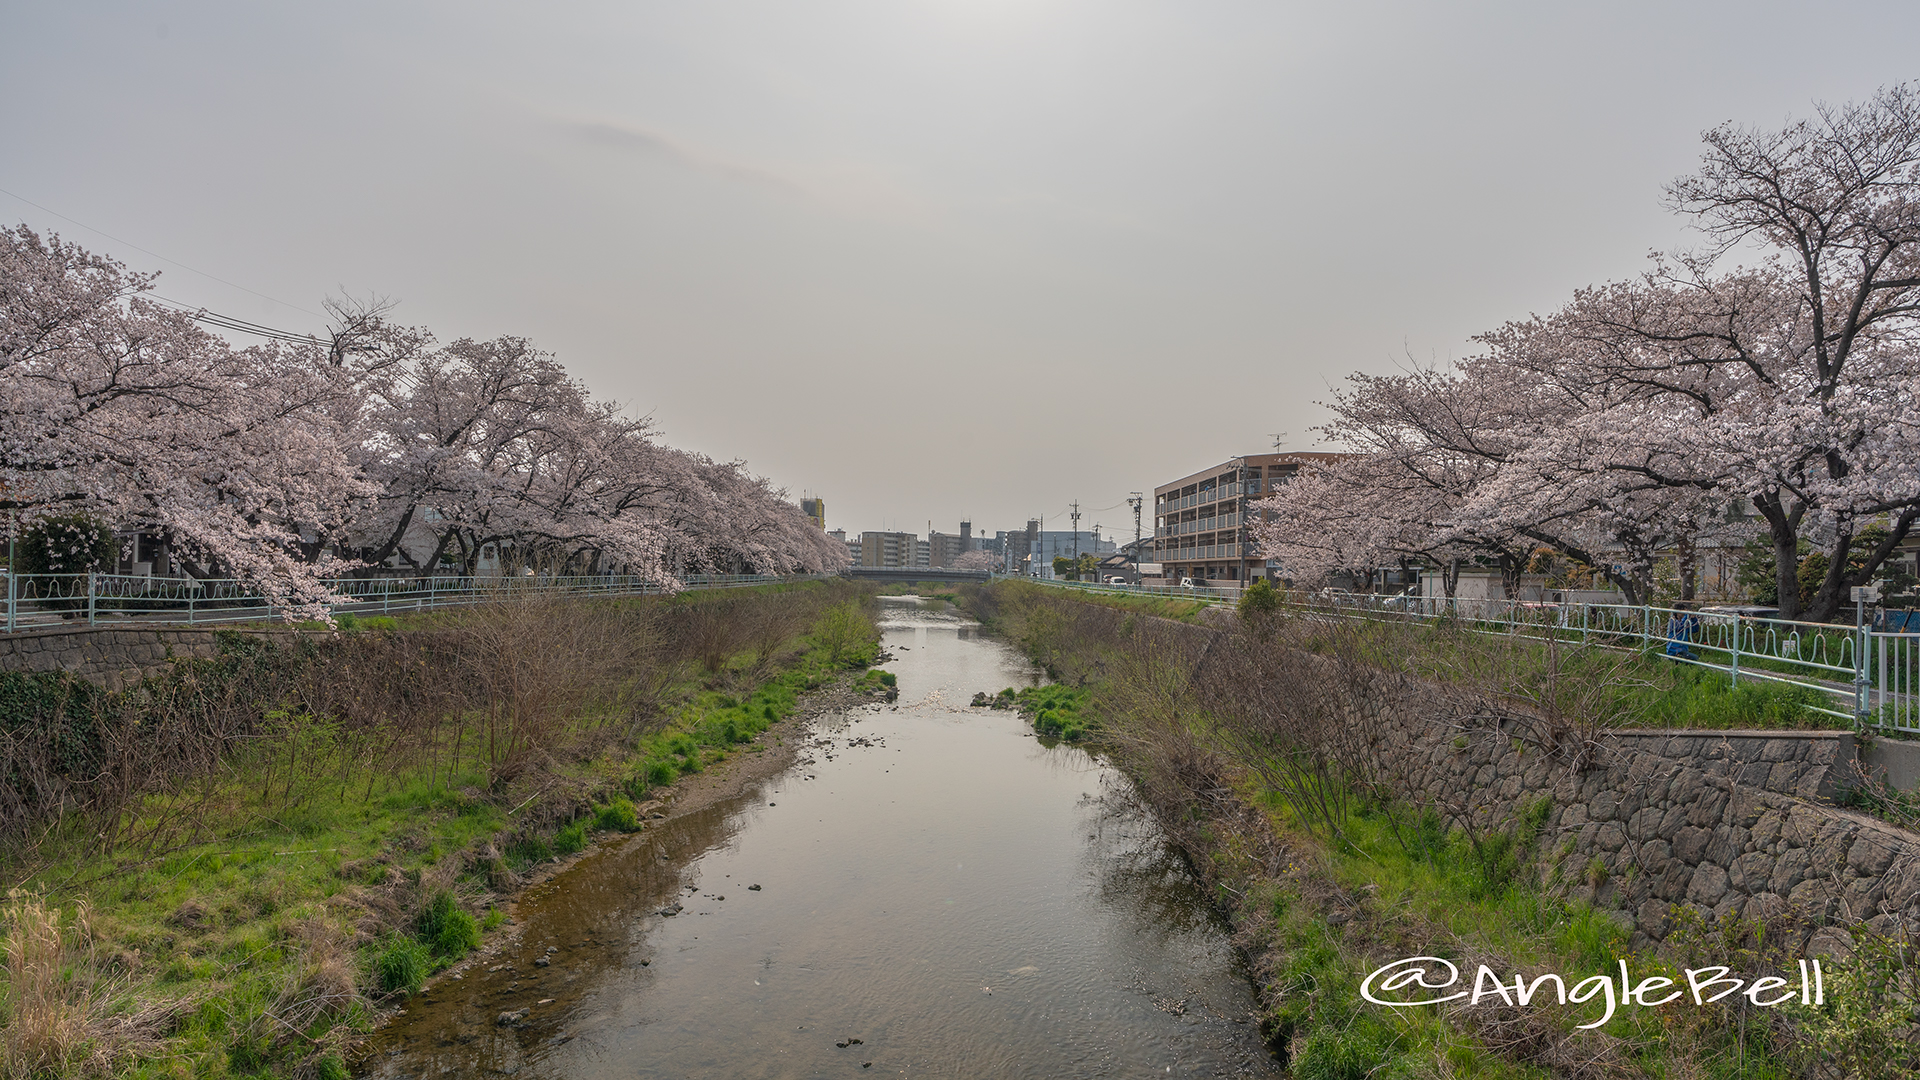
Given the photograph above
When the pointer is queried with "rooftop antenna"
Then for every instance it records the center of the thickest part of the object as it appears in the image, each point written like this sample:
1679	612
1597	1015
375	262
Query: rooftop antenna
1279	438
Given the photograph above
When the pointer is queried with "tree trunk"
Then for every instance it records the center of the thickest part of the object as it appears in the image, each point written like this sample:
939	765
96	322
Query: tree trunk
1783	528
1832	595
1510	571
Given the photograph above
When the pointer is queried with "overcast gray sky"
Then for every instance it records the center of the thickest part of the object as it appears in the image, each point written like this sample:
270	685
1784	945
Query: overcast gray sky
924	258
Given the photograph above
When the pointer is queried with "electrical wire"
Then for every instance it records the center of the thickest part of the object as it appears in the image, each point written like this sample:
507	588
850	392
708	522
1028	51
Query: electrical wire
229	322
162	258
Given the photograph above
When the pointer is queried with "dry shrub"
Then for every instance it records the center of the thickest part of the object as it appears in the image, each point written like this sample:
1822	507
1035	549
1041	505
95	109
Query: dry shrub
1561	694
709	629
47	1013
533	667
1300	705
318	987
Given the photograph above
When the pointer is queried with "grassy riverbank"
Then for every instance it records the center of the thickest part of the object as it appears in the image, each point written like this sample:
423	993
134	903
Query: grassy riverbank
361	809
1253	767
1607	688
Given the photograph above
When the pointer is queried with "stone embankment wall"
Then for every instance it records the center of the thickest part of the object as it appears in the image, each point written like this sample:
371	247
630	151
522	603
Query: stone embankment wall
1734	823
114	658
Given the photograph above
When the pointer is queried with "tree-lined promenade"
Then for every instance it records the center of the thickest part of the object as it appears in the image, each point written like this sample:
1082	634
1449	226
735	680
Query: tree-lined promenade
291	461
1776	364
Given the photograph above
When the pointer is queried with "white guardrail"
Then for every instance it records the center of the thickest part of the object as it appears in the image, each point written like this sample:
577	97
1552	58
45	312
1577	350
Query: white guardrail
1868	673
42	601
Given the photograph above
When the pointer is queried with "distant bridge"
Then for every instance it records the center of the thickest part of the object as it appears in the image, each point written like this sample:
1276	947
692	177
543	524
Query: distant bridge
915	573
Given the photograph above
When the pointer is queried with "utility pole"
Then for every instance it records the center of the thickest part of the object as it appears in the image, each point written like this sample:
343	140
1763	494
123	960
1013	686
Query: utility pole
1076	529
1134	501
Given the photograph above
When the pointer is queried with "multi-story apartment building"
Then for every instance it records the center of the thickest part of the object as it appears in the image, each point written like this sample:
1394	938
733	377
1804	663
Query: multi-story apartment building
1200	520
890	549
943	548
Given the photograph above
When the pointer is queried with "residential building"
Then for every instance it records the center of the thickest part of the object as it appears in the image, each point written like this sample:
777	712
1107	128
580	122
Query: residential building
1200	520
1013	547
890	549
943	548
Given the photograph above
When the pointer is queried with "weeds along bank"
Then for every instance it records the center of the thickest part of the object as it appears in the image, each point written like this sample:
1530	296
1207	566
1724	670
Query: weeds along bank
228	868
1356	798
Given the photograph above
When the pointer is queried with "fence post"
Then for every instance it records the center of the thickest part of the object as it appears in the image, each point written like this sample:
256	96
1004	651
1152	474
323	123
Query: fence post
1736	649
1646	627
1862	634
89	598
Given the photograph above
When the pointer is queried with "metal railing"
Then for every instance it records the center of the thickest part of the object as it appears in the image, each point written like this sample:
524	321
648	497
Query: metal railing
41	601
1868	673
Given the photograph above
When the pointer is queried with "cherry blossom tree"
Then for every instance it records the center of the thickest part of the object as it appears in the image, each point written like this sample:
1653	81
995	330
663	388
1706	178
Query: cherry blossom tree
1623	424
283	463
973	560
113	405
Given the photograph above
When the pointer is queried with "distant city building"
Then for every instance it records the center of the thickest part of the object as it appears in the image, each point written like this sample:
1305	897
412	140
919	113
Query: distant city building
815	508
890	549
920	552
853	544
1012	547
943	548
1200	527
1042	546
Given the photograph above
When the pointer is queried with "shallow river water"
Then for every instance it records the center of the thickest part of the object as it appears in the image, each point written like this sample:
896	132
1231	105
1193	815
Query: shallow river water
939	895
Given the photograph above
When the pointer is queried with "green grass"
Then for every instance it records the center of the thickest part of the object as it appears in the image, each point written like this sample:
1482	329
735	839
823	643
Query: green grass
224	918
1625	688
1165	607
1056	711
1692	697
1449	897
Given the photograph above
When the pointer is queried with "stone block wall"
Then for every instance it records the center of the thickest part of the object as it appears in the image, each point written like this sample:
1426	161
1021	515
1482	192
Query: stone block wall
1807	764
1734	823
114	658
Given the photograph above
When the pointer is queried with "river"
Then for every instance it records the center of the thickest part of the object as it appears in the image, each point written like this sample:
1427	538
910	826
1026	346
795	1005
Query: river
927	891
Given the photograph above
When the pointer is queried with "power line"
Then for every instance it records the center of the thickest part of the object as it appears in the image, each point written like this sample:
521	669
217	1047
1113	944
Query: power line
162	258
229	322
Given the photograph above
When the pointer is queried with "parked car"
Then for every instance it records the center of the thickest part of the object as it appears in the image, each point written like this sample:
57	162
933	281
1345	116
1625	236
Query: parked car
1116	579
1188	583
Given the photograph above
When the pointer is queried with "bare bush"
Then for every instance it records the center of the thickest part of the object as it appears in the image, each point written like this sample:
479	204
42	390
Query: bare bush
533	668
1301	706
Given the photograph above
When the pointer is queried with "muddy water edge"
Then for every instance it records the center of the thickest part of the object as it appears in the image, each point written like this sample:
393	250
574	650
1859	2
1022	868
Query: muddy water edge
926	890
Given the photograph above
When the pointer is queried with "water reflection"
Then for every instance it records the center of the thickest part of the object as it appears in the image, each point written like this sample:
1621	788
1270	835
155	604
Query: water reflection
939	894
